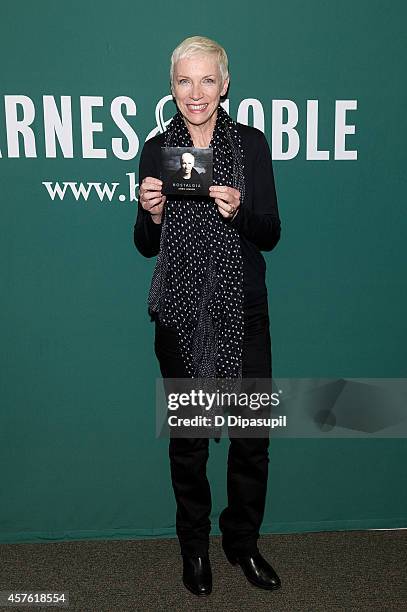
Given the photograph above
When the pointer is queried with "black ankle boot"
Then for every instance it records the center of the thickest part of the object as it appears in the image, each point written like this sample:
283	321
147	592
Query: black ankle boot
197	574
256	569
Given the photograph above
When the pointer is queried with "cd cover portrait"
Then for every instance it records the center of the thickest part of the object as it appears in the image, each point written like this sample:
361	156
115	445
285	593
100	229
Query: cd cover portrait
186	170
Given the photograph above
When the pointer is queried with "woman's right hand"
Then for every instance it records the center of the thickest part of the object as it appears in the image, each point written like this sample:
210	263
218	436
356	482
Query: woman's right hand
151	198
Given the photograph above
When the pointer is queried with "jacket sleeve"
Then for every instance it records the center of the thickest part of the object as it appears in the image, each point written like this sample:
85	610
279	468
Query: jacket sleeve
260	223
146	233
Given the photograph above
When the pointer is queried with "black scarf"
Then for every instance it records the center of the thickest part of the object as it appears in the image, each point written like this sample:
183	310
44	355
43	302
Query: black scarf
197	284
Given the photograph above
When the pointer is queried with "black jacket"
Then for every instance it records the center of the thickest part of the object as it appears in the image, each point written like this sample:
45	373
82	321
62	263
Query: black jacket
257	220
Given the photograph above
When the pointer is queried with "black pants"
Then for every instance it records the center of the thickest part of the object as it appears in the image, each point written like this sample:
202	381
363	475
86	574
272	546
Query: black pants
248	458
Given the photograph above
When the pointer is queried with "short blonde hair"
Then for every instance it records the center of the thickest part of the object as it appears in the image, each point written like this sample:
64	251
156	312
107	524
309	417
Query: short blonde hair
200	45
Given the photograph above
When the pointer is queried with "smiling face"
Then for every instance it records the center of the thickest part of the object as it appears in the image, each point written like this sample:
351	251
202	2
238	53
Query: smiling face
197	88
187	163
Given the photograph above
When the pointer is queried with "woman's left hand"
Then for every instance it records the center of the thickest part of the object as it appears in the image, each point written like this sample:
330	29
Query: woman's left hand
227	199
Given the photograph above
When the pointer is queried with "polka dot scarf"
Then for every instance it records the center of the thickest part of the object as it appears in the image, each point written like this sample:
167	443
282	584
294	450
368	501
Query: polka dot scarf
197	284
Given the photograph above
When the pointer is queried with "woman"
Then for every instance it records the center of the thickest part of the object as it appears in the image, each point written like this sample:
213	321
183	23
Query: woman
209	300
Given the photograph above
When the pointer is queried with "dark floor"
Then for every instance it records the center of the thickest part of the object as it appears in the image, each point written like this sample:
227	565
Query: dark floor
320	572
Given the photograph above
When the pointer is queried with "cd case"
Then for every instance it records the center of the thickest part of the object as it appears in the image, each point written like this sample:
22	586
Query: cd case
186	170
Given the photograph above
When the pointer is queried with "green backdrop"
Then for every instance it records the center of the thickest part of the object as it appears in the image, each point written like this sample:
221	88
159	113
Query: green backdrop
78	451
